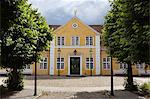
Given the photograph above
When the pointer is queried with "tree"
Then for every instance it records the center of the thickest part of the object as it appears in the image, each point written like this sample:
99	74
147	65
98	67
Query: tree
20	37
126	33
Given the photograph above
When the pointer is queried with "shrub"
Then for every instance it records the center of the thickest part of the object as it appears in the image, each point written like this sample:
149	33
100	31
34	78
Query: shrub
14	81
3	90
145	88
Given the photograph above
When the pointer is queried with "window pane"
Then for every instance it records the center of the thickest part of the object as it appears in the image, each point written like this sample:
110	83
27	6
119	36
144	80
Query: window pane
58	65
91	65
87	41
77	40
58	59
45	65
58	40
62	59
73	41
62	41
87	65
87	59
121	67
104	59
108	59
41	65
91	59
104	65
62	65
108	65
91	40
45	59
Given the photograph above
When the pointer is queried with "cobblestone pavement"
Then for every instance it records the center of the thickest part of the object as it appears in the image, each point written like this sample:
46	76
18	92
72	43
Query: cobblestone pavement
52	87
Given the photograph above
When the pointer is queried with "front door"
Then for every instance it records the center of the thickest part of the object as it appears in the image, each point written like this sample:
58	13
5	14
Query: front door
75	65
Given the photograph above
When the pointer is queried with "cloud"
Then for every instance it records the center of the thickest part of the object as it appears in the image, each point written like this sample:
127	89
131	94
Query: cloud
60	11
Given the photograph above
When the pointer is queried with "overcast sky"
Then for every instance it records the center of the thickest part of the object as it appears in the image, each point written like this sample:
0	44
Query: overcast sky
60	11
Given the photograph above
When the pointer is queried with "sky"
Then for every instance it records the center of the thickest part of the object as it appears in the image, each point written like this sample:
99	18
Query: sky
58	12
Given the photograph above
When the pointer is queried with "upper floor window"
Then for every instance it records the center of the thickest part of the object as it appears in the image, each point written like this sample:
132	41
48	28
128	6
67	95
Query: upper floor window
106	63
60	40
75	40
89	40
123	65
89	63
60	63
139	66
43	63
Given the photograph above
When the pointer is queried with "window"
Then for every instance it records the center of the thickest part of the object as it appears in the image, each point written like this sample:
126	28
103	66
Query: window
75	40
43	63
123	66
89	63
27	67
139	66
60	40
106	63
60	63
89	40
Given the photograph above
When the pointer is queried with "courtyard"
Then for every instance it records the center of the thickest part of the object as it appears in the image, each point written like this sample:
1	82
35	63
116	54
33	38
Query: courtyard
64	87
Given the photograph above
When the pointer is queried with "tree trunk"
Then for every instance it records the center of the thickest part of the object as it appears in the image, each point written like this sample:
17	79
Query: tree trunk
129	85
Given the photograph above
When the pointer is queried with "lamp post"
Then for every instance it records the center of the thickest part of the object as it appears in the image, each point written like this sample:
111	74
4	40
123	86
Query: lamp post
112	84
35	73
90	61
59	51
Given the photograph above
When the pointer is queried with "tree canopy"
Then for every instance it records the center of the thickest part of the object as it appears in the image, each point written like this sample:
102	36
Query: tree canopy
21	33
127	31
24	34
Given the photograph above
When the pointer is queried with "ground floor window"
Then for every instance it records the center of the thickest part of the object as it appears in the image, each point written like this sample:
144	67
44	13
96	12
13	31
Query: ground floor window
106	63
60	63
139	66
89	63
27	67
43	63
123	65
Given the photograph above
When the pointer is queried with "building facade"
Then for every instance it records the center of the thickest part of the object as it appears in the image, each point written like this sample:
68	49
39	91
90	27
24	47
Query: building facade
78	49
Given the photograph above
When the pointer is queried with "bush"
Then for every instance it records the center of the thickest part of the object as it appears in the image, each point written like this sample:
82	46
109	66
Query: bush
14	81
3	90
145	88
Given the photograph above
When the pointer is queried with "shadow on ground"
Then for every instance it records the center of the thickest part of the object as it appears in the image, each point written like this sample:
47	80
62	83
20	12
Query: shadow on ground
119	94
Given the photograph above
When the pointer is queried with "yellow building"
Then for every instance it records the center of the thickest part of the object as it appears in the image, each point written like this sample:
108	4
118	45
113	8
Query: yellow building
77	49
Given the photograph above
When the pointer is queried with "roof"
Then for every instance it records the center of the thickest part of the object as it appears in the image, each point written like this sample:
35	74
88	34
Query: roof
98	28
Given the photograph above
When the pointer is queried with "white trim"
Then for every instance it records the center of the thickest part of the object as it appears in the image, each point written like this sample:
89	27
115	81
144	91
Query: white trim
80	22
75	47
60	63
97	43
52	50
43	64
89	63
80	63
75	41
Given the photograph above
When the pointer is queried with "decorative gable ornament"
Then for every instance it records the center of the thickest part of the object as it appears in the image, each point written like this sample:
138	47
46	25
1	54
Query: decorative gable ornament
74	25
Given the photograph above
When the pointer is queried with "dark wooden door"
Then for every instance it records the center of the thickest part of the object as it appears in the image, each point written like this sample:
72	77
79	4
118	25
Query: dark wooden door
74	65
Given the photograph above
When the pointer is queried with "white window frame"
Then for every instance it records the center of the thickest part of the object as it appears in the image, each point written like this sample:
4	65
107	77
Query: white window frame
123	65
28	66
60	63
61	43
89	63
43	62
89	41
107	62
140	66
75	41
